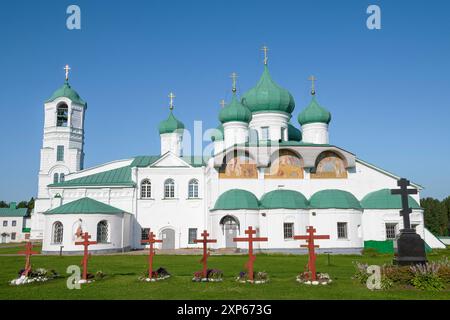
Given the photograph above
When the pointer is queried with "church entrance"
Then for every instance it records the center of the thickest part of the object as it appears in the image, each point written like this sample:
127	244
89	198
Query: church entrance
168	238
230	227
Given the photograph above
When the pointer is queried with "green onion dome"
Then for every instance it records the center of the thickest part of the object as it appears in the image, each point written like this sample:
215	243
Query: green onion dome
284	199
218	134
314	113
170	125
294	134
235	111
66	91
267	96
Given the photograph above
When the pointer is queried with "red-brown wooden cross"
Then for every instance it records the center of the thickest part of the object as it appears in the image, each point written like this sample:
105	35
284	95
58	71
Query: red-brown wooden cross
86	243
310	237
151	240
251	256
205	242
28	252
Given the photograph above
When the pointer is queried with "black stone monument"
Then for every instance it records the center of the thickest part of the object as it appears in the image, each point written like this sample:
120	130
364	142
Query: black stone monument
409	247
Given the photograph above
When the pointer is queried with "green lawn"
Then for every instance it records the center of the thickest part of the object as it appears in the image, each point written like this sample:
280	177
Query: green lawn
123	271
13	248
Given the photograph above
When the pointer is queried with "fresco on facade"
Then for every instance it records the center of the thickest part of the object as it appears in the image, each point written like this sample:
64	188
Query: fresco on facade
329	166
287	166
239	167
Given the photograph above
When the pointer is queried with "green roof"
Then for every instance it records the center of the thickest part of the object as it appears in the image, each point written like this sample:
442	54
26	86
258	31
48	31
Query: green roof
314	113
284	199
235	111
66	91
294	134
170	125
383	199
218	134
267	96
13	211
86	206
236	199
334	199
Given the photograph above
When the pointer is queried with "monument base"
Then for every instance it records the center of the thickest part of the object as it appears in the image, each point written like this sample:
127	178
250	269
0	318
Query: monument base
409	248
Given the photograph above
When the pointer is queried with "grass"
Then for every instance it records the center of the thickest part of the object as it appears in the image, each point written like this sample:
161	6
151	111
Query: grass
123	270
13	248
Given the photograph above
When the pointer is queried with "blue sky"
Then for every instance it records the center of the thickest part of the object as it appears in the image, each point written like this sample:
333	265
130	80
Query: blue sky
388	90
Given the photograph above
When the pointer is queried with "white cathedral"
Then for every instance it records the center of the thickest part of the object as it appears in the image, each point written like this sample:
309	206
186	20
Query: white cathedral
263	172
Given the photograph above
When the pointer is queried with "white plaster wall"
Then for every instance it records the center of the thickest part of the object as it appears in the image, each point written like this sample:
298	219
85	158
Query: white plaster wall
274	120
9	229
315	133
235	133
171	142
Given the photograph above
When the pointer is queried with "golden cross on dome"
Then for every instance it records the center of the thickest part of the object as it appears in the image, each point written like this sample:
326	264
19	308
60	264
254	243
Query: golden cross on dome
222	103
265	49
313	89
234	77
171	96
67	68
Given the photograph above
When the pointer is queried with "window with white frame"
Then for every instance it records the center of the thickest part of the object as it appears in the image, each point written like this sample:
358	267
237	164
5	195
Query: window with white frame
146	189
264	133
62	115
14	223
60	153
55	177
193	188
57	234
283	134
192	235
5	223
391	231
13	236
102	232
169	188
342	230
144	233
288	230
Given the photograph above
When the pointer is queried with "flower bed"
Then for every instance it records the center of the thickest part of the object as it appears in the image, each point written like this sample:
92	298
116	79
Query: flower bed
433	276
258	277
321	278
212	275
158	275
38	275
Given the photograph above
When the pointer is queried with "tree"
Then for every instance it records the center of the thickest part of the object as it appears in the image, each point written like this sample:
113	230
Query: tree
435	215
446	203
3	204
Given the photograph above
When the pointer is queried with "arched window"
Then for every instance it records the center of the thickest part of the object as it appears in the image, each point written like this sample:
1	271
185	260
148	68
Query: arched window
62	177
102	232
193	188
57	233
169	188
55	178
62	115
329	166
146	189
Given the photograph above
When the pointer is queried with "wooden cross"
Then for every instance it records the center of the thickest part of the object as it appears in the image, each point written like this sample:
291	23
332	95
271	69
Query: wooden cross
265	49
86	243
171	96
28	252
234	76
404	192
151	253
313	89
205	242
67	68
251	256
310	237
222	103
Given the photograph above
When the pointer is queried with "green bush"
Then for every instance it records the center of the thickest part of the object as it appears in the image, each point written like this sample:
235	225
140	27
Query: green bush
399	275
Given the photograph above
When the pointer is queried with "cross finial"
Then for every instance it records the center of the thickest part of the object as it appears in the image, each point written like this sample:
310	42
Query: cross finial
67	69
222	103
171	96
234	77
265	49
313	87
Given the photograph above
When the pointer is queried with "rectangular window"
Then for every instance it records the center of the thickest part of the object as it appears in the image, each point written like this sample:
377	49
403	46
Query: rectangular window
5	223
342	230
144	233
391	230
265	133
288	229
192	235
62	116
13	236
14	223
60	153
283	134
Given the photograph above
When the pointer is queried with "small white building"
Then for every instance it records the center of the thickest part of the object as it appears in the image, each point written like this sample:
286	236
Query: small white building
14	224
263	172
